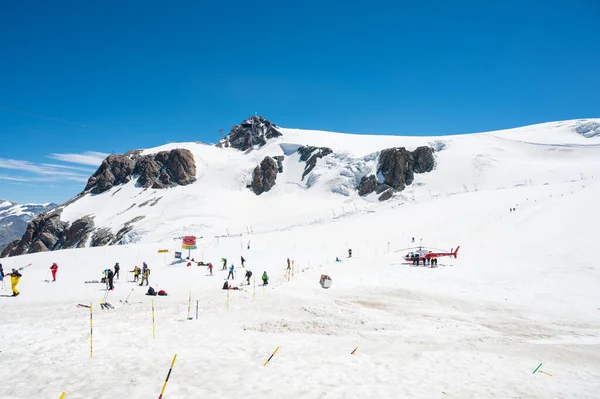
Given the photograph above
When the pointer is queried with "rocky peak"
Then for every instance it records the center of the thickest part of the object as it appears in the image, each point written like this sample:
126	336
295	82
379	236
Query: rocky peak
114	170
264	175
254	131
161	170
397	167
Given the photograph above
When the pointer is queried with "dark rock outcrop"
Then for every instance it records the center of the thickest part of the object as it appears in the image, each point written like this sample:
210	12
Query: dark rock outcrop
367	185
161	170
254	131
114	170
423	160
166	169
264	175
310	155
14	218
101	237
47	233
387	194
279	159
397	167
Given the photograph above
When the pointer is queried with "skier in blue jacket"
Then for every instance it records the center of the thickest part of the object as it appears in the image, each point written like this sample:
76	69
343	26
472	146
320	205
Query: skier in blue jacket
231	269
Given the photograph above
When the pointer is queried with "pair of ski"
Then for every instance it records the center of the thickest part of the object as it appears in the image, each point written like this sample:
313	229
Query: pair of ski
103	305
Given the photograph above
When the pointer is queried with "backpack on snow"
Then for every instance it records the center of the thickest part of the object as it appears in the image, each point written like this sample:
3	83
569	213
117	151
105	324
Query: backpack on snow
162	293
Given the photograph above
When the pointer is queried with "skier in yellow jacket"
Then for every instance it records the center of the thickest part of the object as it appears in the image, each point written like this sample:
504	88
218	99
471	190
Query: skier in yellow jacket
15	277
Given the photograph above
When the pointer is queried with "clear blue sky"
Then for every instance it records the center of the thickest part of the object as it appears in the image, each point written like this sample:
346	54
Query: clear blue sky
109	76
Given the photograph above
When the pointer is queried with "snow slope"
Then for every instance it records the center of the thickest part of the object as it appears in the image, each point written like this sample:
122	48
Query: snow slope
523	291
219	203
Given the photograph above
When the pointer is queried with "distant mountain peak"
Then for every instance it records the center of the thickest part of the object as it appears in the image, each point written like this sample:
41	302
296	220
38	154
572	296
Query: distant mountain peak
253	132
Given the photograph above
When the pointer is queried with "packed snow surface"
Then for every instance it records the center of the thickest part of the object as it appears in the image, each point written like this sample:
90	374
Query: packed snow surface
523	291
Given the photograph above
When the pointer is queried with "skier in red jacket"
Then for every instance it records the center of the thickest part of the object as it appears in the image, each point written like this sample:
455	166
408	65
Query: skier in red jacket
54	269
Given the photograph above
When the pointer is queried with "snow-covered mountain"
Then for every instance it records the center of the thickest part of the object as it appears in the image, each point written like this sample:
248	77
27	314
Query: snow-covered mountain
14	218
262	178
520	203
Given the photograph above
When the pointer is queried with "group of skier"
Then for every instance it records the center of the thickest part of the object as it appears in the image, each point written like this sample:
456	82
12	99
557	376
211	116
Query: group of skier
144	272
15	276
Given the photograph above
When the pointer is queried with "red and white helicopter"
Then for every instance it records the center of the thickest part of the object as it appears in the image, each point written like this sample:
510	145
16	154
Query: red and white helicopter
422	254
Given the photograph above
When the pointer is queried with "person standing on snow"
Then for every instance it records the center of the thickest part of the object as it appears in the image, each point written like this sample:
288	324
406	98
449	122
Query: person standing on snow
136	274
1	271
289	263
110	277
210	268
15	277
54	269
243	260
231	270
350	253
117	268
248	275
224	260
145	275
265	278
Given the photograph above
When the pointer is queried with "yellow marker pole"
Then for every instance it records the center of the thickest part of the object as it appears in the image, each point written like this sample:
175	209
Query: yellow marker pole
271	357
153	329
63	395
168	375
254	288
227	304
91	330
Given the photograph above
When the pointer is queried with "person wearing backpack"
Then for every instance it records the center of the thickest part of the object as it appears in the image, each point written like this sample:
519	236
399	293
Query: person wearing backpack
15	277
248	275
111	277
145	275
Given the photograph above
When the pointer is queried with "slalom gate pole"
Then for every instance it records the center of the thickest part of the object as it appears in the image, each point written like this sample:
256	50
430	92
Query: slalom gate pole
354	350
196	310
91	330
63	395
189	306
168	375
254	288
153	329
227	304
271	357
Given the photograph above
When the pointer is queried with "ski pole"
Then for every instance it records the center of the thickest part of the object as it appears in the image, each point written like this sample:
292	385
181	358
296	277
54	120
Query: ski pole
63	395
189	306
128	295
